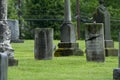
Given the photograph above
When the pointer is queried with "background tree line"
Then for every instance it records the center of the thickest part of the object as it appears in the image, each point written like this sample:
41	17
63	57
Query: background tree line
50	13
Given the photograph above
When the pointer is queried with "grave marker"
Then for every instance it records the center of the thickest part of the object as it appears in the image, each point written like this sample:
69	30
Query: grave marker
14	27
43	43
67	35
3	66
102	15
94	38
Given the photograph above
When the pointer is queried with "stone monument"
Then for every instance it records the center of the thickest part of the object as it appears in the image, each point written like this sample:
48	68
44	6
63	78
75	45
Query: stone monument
43	43
5	34
116	72
3	66
14	27
94	38
68	45
102	16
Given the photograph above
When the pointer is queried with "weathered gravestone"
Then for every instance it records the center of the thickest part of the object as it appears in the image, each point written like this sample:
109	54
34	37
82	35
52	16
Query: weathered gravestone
102	16
14	27
3	66
94	38
116	72
68	45
5	34
43	43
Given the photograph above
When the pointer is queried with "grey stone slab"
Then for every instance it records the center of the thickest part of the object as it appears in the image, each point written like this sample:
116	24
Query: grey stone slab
3	66
94	39
109	43
13	25
15	32
43	43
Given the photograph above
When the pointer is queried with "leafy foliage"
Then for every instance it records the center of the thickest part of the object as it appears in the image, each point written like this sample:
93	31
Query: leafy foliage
12	9
51	12
43	14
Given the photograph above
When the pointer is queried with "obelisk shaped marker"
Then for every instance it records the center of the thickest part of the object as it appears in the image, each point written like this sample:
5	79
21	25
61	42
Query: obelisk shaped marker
68	45
67	12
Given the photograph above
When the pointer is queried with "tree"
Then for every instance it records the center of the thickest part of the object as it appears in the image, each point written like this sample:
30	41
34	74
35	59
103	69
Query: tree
47	10
43	14
12	11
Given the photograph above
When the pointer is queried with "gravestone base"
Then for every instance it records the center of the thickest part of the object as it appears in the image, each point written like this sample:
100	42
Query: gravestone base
116	74
111	52
67	49
64	52
95	56
12	62
17	41
78	52
109	43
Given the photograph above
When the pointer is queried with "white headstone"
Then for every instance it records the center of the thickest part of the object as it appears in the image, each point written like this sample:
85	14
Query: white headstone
13	26
3	66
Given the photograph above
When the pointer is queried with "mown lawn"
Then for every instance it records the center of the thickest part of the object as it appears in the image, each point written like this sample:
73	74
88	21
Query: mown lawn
60	68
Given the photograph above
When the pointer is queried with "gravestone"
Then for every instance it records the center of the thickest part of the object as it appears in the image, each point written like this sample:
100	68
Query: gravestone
43	43
68	45
5	34
68	33
102	15
94	39
14	27
3	66
116	72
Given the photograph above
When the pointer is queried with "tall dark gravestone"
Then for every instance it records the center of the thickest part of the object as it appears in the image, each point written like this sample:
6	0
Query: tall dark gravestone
43	43
116	72
68	45
102	15
5	34
3	66
94	36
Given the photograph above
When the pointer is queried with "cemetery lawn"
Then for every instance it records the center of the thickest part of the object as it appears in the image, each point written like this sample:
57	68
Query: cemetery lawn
60	68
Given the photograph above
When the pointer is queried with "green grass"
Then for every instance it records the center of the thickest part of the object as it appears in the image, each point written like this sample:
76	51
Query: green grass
60	68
